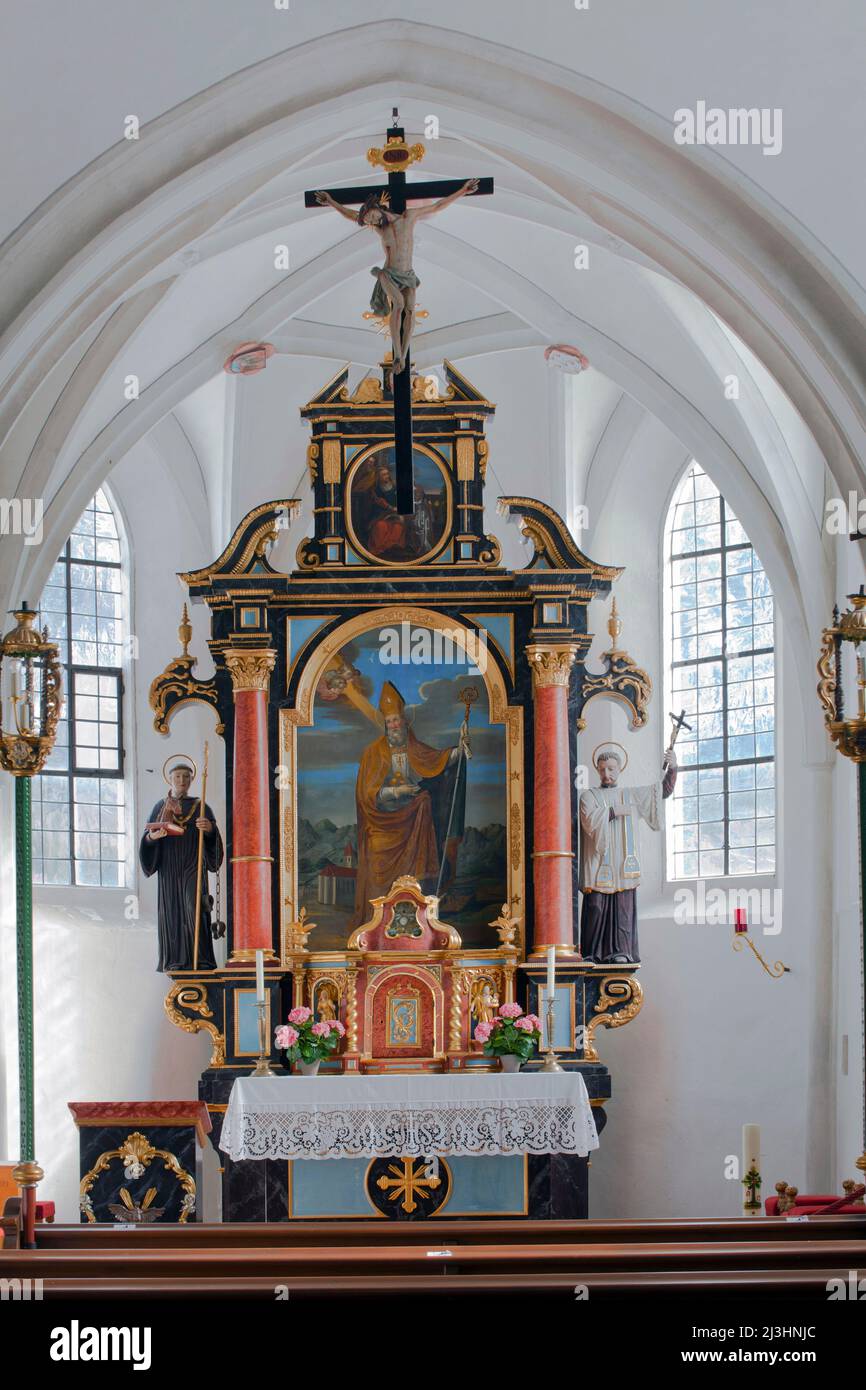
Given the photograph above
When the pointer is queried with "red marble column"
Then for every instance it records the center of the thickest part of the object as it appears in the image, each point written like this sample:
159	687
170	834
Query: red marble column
552	853
252	920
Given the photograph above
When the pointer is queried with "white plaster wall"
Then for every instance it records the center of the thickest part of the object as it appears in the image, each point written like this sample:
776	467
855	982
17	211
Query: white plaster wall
101	1031
718	1043
847	935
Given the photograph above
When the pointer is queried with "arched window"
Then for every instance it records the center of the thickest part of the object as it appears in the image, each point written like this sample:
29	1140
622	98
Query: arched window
79	817
720	667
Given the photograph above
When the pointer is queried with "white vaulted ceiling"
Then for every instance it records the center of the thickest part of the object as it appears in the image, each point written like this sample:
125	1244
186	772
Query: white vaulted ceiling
157	257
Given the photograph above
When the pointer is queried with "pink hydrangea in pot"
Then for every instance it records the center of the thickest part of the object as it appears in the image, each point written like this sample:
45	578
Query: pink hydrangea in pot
304	1042
512	1036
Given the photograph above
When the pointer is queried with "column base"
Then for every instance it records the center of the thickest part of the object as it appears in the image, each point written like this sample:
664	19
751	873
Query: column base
246	956
562	951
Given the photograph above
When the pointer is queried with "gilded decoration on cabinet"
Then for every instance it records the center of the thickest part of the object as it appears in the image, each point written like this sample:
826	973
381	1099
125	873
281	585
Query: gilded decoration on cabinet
136	1153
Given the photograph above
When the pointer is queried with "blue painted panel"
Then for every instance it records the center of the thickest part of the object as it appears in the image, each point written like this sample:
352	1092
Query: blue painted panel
329	1187
489	1184
481	1186
500	628
562	1035
299	630
248	1022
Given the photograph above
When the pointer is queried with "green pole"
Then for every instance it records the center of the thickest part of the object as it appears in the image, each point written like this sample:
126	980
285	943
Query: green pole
24	919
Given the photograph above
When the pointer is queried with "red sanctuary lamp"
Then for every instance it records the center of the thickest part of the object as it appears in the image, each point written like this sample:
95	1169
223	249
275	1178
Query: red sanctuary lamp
740	923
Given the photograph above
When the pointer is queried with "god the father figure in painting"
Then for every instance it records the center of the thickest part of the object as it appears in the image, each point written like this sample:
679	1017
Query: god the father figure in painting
411	807
609	855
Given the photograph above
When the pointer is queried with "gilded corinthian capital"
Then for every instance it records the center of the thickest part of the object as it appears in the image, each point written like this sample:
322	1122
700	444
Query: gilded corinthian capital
250	669
551	665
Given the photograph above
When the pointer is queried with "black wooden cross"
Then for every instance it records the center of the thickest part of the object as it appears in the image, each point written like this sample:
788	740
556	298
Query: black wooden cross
678	721
398	195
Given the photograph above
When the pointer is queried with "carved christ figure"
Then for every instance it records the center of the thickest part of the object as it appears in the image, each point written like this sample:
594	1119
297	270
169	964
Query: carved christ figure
396	281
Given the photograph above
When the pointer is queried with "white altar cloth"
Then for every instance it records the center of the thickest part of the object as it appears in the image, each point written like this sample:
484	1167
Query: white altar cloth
416	1114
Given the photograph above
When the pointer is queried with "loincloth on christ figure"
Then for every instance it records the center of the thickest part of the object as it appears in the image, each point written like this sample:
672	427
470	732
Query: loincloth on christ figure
400	279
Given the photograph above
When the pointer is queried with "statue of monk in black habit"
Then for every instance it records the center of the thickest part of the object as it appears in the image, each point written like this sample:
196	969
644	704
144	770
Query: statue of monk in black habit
169	847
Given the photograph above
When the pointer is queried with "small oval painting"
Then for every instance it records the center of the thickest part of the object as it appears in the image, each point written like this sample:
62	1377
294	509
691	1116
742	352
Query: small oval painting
379	528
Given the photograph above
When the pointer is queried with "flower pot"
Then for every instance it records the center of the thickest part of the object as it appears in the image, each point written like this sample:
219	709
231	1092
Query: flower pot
308	1068
509	1061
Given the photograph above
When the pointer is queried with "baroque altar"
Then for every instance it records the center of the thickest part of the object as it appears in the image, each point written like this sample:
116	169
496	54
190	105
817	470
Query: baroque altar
401	715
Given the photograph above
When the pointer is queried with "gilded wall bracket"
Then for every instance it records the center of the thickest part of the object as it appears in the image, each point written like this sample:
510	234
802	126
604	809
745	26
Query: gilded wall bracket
192	996
621	679
176	685
620	999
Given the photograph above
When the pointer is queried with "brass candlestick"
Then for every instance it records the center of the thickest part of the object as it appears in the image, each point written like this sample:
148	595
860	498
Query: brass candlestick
262	1067
550	1062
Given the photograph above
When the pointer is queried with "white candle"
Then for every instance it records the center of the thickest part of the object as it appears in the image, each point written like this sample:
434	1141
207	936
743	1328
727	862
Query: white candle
260	977
551	971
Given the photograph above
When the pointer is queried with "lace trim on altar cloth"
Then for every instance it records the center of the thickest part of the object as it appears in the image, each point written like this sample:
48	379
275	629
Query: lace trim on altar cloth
411	1130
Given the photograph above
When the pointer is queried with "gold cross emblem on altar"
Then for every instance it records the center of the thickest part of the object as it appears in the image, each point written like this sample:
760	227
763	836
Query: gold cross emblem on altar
407	1182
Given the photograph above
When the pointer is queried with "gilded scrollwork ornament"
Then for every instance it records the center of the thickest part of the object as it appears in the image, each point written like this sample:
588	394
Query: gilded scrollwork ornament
622	678
619	1000
193	996
177	686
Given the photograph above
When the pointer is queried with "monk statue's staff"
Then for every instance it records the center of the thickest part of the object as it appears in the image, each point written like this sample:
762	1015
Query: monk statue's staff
199	861
468	695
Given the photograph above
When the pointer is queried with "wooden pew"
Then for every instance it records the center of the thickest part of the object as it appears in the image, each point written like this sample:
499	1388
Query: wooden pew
512	1231
341	1259
395	1259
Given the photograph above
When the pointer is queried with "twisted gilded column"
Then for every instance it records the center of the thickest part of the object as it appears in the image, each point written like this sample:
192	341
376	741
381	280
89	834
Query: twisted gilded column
552	845
250	670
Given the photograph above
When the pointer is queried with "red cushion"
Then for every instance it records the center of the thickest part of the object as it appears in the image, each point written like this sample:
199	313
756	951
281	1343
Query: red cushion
807	1204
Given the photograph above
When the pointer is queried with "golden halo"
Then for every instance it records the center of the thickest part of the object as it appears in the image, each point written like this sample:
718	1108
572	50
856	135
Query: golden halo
609	743
175	758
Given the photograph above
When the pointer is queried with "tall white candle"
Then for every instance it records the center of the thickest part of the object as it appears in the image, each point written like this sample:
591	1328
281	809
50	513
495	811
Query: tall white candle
551	971
260	977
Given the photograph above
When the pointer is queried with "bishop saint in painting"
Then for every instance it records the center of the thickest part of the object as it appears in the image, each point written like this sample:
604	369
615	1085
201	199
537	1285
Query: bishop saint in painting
411	802
169	847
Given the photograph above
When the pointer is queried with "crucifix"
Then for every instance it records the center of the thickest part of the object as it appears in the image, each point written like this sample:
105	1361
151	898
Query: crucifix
678	721
384	211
